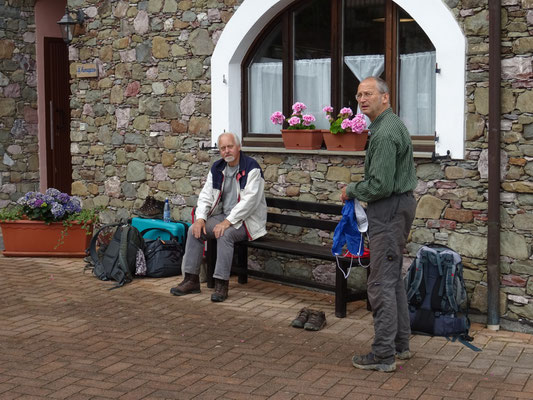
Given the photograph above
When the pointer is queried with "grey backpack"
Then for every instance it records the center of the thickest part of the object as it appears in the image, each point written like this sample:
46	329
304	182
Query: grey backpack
116	259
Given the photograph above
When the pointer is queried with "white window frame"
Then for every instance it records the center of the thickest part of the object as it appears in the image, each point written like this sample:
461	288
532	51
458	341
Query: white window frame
433	16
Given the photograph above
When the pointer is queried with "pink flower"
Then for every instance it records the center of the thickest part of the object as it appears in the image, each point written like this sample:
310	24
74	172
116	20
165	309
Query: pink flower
358	123
346	124
298	107
346	111
308	119
328	109
277	118
294	121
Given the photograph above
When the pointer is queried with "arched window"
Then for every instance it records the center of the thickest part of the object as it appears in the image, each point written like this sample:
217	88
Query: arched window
317	52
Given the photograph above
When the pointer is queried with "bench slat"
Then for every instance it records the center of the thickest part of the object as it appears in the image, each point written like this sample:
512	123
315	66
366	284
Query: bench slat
305	222
307	206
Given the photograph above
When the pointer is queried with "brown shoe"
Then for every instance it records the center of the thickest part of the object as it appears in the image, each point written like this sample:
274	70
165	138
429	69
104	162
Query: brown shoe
301	318
221	291
189	285
151	208
316	321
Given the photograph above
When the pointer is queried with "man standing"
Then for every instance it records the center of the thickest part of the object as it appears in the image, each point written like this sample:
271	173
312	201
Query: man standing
231	208
388	186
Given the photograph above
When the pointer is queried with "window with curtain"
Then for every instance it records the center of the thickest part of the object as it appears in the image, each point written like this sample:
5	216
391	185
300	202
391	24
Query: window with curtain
318	51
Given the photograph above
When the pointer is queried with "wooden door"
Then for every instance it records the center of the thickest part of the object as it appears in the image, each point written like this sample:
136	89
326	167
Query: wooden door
57	103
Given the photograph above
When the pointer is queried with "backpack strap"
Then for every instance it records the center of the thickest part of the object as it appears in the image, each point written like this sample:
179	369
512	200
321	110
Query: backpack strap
122	259
417	279
451	270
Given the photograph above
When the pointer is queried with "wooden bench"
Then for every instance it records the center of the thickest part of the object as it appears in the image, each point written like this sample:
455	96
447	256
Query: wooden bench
289	213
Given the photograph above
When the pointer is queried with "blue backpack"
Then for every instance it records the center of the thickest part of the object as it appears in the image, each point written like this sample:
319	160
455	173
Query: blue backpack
436	293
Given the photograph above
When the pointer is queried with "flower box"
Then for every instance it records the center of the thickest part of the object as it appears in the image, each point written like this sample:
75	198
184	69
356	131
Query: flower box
302	139
345	141
25	238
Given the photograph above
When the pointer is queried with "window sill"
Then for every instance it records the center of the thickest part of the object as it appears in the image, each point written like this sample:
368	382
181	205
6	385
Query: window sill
320	152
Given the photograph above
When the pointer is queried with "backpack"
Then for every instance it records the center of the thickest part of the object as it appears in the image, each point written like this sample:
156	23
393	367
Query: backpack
436	294
162	257
116	260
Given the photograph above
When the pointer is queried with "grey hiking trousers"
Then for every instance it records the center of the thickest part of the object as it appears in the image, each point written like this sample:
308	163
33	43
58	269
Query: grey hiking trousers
194	248
389	223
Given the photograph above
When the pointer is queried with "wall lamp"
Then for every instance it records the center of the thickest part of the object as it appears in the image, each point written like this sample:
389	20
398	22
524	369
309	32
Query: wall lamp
67	24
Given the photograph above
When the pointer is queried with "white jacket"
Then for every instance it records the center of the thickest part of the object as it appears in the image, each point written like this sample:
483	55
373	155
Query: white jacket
251	208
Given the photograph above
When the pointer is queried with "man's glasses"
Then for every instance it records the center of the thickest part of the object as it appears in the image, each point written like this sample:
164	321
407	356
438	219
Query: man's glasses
362	95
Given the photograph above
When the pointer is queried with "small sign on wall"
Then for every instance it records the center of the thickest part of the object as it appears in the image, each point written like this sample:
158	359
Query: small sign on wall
87	71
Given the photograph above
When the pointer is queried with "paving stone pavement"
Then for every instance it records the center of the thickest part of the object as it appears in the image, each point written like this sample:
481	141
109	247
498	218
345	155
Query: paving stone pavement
64	335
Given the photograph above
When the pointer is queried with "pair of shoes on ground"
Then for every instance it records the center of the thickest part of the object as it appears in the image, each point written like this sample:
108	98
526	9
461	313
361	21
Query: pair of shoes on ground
191	284
151	208
308	319
372	362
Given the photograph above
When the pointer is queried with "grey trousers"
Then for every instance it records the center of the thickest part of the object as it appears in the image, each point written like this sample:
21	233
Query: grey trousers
389	223
194	248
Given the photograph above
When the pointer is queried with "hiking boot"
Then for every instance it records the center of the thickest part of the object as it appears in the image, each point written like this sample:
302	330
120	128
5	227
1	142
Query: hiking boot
403	355
370	361
221	291
189	285
316	320
151	208
301	318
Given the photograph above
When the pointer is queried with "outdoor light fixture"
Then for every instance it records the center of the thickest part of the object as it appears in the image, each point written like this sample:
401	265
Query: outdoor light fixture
67	24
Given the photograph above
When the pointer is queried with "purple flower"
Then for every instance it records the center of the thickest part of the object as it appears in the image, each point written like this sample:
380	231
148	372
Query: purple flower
358	124
298	107
308	119
63	198
346	124
328	109
53	192
294	121
277	118
346	111
57	210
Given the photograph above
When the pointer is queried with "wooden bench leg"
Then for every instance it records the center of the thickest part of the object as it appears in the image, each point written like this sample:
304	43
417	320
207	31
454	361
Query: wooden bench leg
211	259
242	262
341	293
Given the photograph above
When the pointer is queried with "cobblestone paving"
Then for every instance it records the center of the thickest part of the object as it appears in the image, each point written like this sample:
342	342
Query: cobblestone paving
63	335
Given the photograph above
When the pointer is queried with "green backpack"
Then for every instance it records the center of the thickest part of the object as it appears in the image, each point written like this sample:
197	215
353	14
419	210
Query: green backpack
116	260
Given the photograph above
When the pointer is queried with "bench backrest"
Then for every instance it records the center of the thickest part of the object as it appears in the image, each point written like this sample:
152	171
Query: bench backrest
303	206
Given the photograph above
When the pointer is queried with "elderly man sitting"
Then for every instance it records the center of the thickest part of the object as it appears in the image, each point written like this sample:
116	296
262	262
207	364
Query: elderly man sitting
231	208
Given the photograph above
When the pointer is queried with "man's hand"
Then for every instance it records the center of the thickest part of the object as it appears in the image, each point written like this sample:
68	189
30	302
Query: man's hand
198	227
219	228
344	197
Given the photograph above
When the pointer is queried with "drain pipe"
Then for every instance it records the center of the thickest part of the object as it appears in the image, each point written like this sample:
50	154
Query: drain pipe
493	242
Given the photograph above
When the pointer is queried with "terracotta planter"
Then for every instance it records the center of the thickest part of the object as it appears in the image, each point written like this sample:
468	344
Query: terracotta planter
305	139
25	238
346	141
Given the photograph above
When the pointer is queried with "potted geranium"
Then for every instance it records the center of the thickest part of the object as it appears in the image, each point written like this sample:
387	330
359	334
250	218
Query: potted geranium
345	133
301	133
52	224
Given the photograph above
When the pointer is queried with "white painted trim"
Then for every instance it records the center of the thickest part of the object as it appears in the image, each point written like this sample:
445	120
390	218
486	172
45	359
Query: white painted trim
434	17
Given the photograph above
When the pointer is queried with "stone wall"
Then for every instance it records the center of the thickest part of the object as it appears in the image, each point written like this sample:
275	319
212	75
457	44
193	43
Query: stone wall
138	129
19	169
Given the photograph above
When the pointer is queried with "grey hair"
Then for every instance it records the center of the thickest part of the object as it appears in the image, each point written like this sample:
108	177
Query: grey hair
236	138
381	84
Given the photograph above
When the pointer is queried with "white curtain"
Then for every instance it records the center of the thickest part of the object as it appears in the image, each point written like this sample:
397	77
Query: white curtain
416	86
363	67
313	87
417	92
265	90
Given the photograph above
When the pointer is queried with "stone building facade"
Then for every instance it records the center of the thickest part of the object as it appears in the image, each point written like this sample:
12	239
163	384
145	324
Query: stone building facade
143	127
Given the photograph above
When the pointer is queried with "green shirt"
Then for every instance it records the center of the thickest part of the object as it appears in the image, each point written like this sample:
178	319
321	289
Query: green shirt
389	163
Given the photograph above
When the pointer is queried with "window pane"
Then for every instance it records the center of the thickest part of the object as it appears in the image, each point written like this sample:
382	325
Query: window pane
416	84
312	58
364	45
265	84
